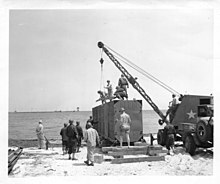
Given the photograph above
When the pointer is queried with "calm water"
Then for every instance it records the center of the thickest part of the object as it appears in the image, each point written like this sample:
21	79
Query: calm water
22	125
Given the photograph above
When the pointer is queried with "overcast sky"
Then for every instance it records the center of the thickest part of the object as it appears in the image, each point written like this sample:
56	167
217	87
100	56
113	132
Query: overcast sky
54	58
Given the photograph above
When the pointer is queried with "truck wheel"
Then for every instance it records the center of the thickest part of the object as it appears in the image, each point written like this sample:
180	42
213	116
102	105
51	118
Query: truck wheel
190	145
160	137
203	131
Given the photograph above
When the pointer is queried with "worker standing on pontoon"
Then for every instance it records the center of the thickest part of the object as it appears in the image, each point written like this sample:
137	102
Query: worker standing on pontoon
109	88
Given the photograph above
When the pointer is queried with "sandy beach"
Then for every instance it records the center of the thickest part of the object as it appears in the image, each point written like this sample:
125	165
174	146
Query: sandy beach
34	162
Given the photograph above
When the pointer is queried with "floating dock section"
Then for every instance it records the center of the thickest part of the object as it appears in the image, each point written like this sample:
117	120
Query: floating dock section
106	115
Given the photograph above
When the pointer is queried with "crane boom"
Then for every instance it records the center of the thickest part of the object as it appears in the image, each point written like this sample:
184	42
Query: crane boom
132	81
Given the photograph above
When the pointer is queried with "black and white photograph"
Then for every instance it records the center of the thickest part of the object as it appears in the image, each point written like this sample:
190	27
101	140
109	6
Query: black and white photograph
109	91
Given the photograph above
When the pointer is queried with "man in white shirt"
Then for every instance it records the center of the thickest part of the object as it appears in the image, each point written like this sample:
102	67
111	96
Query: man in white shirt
40	134
109	88
91	138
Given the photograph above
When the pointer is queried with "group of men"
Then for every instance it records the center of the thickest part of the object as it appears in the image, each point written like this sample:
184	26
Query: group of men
72	136
120	93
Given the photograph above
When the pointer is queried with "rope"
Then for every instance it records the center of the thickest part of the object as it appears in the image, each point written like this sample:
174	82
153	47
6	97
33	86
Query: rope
102	79
143	72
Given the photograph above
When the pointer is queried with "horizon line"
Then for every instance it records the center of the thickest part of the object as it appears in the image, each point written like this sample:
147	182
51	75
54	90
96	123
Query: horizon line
66	111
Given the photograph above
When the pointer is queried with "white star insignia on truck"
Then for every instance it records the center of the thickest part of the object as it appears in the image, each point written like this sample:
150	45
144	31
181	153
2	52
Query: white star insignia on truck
191	114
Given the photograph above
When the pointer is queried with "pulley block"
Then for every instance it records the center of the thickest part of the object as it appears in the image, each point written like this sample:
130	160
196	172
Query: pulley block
101	61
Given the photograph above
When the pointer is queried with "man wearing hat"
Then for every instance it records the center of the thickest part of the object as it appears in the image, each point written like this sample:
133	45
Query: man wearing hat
91	138
72	134
125	125
40	135
64	138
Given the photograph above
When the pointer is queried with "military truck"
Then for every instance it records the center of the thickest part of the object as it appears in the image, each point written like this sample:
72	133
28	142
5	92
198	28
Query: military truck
193	122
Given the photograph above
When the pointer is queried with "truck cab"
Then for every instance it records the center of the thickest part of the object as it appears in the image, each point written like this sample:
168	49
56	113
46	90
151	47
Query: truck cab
193	122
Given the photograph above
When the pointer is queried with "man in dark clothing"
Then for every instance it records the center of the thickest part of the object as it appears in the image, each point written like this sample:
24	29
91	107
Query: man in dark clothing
103	97
169	131
123	83
90	120
80	135
64	138
72	139
120	93
172	107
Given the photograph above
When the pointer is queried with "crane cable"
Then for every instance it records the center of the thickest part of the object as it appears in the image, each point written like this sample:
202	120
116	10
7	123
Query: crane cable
143	72
146	74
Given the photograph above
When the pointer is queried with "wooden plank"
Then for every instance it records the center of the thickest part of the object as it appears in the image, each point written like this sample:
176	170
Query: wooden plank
156	152
124	148
138	159
155	147
140	144
161	154
130	152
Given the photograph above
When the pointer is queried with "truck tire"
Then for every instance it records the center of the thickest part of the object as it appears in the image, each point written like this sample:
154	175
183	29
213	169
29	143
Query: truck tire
190	145
203	131
161	138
